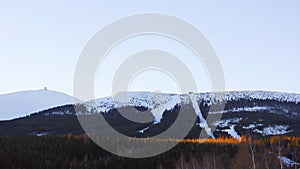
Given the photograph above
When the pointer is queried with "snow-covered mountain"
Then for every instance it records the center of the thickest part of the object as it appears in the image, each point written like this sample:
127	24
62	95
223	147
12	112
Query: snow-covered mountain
153	101
235	104
18	104
260	113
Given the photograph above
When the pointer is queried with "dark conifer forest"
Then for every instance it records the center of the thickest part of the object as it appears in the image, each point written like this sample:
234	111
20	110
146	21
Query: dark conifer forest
79	152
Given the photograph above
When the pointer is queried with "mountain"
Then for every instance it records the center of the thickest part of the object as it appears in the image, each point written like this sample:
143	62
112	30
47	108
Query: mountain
259	113
23	103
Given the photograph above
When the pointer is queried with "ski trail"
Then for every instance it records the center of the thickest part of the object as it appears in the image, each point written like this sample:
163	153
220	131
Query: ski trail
203	122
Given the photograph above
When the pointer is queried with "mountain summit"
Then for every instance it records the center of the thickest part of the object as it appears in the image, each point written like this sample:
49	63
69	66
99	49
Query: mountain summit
18	104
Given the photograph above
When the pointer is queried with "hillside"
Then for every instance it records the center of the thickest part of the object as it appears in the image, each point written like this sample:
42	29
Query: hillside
256	113
18	104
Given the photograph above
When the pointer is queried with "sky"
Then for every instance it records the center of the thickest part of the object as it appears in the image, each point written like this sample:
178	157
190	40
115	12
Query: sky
258	43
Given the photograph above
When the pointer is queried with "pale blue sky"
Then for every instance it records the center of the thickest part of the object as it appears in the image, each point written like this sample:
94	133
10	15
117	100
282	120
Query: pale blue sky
258	43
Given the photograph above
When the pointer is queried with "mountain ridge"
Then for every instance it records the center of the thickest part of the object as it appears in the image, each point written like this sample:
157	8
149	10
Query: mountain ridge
259	113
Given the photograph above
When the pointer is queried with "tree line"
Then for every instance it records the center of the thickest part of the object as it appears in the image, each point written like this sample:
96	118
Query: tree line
79	152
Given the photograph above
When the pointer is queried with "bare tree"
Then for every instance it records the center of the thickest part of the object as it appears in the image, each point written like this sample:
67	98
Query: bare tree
266	160
252	154
242	159
192	163
279	148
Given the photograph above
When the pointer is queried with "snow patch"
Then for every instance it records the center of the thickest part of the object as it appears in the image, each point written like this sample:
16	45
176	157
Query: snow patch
59	113
251	126
227	122
41	134
287	162
231	131
274	130
241	109
143	130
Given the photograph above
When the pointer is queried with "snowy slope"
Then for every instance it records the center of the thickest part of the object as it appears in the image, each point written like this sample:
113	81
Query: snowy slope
203	123
23	103
158	103
155	100
263	113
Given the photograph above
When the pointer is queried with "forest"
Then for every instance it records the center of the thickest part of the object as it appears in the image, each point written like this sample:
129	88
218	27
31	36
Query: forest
80	152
